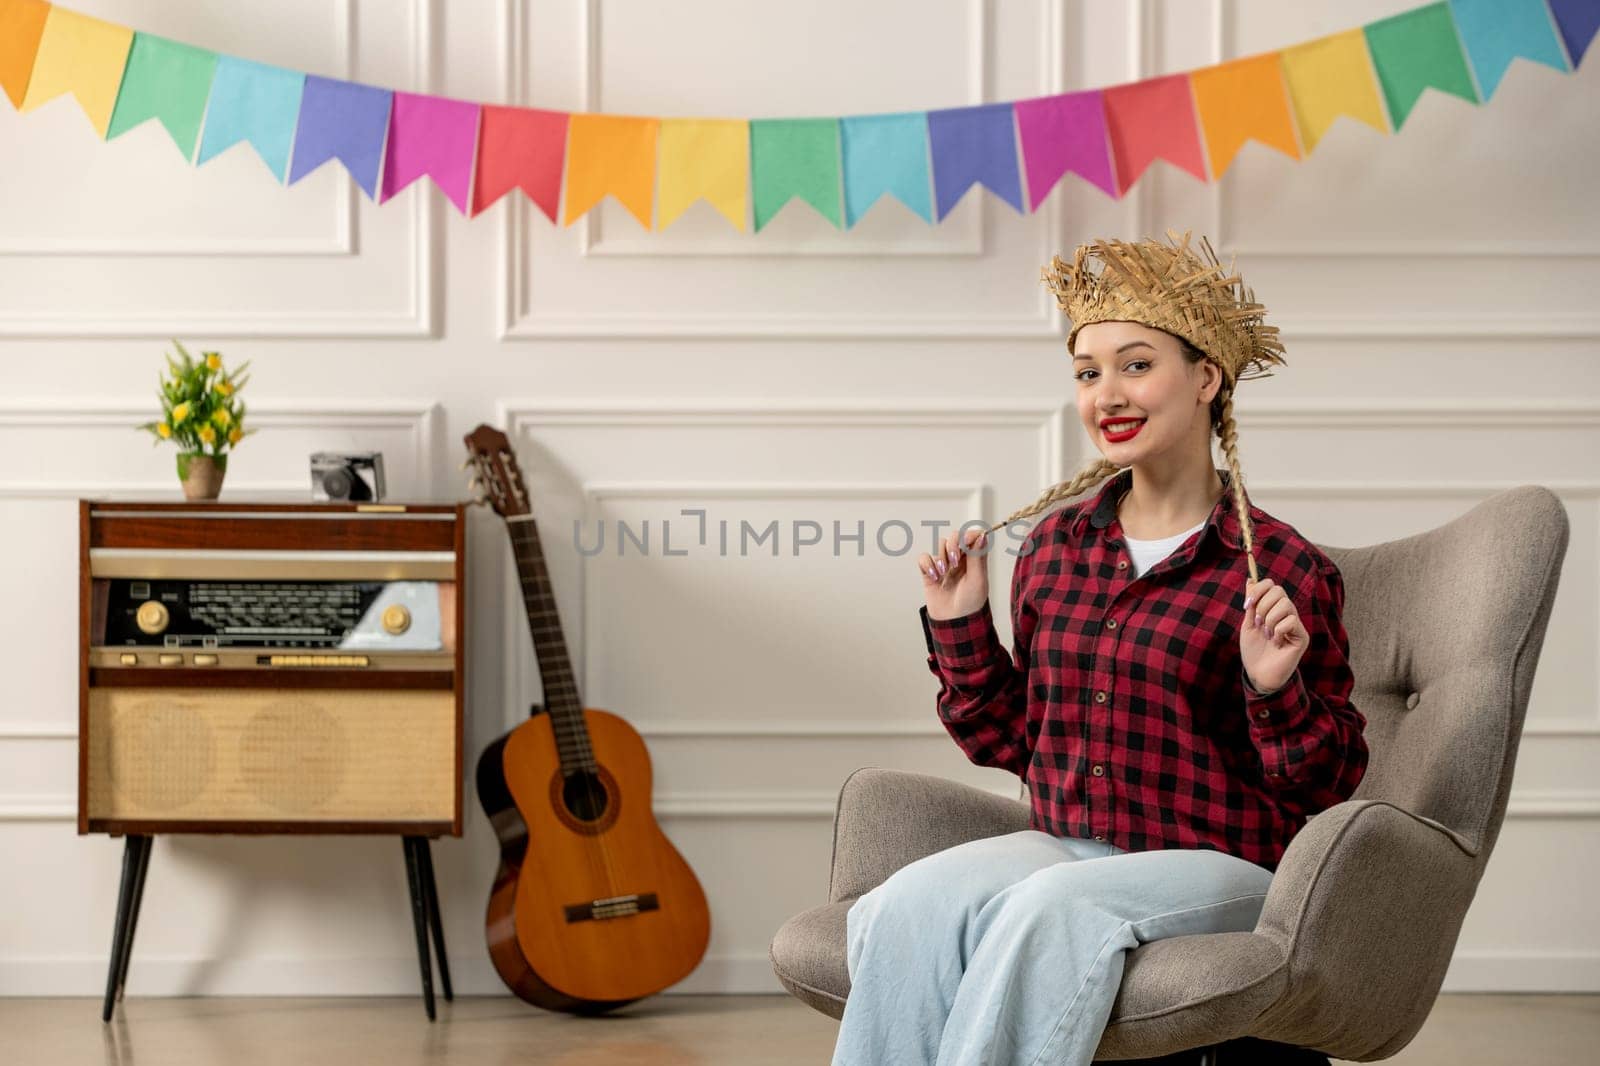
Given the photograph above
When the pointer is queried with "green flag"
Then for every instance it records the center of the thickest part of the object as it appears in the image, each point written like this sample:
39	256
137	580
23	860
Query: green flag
1416	50
792	157
165	80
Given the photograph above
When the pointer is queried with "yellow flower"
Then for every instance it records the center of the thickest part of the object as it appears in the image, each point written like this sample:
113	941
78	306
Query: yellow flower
164	430
234	434
221	417
223	387
213	361
180	412
208	434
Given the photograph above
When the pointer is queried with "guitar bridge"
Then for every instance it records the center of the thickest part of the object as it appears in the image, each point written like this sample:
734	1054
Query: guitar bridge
612	907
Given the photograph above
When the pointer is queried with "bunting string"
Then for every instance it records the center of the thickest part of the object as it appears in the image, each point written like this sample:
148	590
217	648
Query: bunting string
748	170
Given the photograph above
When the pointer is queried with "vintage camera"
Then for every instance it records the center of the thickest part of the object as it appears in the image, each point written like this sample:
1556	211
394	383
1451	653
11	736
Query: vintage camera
347	476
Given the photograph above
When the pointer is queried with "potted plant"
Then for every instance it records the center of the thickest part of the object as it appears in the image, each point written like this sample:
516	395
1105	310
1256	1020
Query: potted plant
203	414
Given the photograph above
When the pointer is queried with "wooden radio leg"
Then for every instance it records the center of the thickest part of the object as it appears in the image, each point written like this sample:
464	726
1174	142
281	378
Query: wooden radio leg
135	863
426	918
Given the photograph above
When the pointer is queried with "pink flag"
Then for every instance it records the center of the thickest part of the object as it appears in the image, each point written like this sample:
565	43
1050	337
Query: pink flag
434	136
1062	133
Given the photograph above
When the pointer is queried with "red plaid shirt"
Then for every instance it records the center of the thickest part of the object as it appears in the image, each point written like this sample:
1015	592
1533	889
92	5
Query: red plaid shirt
1127	709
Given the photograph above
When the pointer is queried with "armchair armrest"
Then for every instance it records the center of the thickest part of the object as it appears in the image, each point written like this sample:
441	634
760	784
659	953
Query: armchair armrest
1366	907
887	819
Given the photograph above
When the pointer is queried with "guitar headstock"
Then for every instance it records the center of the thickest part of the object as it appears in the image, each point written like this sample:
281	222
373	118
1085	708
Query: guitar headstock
497	472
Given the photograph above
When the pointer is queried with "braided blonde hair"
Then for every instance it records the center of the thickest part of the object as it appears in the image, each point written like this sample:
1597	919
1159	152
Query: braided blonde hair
1222	424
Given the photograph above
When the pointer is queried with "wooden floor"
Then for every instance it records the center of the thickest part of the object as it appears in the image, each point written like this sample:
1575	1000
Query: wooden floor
669	1030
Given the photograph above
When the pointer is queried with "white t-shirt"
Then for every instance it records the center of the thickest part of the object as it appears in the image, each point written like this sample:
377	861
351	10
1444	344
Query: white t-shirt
1147	553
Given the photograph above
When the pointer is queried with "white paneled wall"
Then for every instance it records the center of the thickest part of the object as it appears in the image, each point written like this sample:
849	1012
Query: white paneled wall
1435	291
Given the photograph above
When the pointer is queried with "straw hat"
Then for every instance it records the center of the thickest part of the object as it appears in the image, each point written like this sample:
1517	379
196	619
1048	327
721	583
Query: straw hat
1171	287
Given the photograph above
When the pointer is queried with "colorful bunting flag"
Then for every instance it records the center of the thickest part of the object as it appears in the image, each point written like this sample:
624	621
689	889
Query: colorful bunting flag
885	154
430	135
1149	120
1061	134
83	56
21	26
521	148
615	155
707	158
1497	31
1329	77
255	103
792	157
1578	21
168	81
1198	121
1418	50
1241	101
974	146
345	121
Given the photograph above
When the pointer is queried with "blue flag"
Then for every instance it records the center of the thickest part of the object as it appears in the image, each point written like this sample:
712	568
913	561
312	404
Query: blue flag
345	121
885	154
974	145
1497	31
255	103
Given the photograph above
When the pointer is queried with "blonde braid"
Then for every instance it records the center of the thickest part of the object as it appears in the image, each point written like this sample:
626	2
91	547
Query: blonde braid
1092	474
1229	432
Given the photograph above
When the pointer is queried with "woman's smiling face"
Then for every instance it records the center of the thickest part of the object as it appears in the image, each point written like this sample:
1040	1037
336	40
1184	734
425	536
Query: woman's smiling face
1127	372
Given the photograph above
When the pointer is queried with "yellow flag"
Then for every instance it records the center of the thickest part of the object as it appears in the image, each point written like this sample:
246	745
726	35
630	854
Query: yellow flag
611	154
1241	101
82	56
704	157
1329	77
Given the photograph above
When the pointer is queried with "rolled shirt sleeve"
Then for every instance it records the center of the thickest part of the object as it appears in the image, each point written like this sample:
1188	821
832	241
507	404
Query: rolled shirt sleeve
983	691
1307	732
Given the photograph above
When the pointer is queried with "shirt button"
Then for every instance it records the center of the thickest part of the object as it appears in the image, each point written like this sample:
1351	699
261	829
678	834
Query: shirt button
1099	697
1098	837
1099	771
1122	564
1263	714
1111	623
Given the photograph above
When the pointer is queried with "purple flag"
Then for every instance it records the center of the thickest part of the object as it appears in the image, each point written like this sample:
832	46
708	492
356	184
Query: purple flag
434	136
345	121
1062	133
1577	20
973	145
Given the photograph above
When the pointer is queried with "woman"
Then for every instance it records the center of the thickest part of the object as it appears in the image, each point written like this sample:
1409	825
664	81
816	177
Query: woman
1178	701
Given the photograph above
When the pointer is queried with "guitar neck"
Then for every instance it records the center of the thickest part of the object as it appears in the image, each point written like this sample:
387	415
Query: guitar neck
561	697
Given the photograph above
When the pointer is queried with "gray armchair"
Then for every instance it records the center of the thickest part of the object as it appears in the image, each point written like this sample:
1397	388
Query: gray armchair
1365	908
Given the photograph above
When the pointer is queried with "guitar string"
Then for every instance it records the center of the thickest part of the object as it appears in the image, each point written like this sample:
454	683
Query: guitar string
567	686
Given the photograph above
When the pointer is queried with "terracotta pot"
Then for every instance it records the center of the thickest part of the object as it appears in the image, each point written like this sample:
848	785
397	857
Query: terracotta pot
201	474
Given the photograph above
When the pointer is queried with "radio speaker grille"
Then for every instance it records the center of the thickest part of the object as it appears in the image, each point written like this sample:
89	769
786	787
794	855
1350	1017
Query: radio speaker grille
281	755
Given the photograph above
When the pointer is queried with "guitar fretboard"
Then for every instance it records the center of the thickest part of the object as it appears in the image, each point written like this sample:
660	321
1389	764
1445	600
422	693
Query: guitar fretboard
561	697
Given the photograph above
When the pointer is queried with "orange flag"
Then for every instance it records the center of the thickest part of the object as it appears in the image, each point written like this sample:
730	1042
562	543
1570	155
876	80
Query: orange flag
21	26
611	154
1240	101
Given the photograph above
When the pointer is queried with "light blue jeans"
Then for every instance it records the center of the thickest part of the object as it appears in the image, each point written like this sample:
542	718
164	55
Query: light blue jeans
1010	950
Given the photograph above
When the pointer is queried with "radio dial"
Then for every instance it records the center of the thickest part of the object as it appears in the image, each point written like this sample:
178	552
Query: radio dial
396	619
152	617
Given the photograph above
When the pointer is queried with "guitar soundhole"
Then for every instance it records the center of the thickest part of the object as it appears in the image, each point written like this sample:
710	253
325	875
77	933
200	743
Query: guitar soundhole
586	801
585	796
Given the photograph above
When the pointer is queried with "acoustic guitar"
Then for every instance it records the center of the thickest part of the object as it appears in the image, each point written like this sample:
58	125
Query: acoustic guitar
592	907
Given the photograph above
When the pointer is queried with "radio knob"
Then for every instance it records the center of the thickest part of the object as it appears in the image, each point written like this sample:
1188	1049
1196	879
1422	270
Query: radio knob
152	617
396	619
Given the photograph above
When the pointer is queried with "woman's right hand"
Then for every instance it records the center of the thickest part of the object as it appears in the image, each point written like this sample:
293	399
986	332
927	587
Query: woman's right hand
956	583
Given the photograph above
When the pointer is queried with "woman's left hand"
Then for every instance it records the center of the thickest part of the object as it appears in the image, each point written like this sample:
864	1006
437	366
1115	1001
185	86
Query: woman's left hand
1272	638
